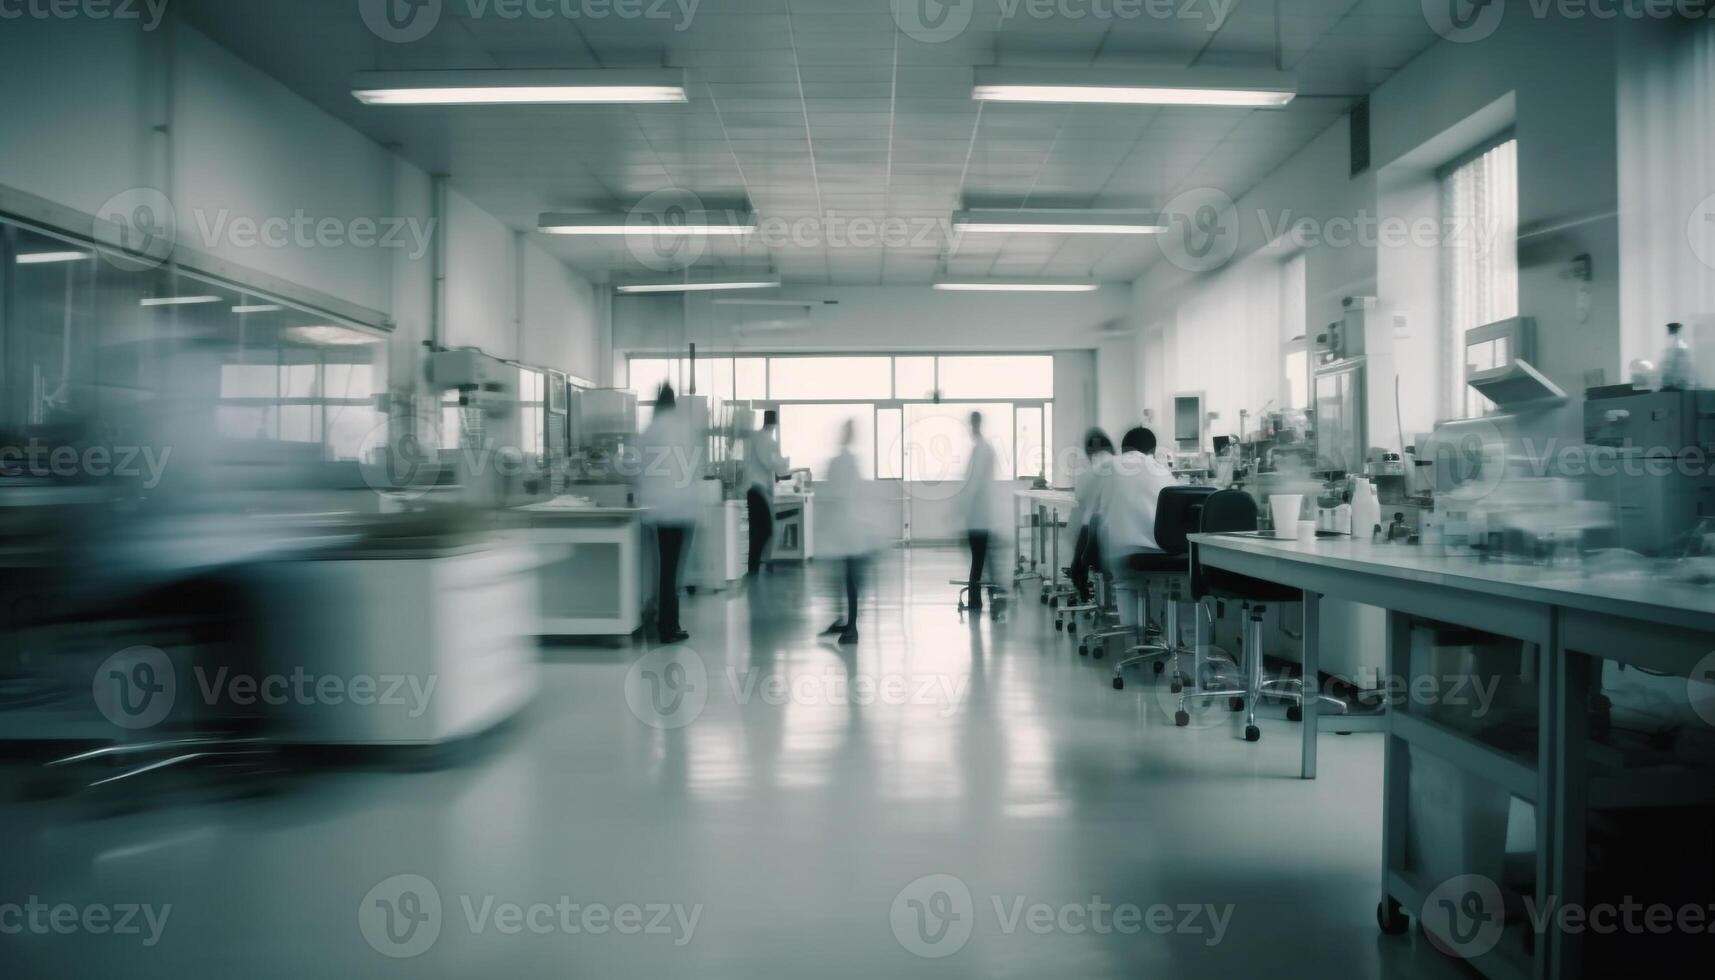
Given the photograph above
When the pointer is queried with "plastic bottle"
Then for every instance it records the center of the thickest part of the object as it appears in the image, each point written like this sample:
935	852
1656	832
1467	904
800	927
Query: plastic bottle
1366	509
1676	369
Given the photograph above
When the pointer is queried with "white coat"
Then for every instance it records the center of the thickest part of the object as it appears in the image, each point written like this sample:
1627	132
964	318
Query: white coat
1128	515
762	463
853	520
979	498
670	470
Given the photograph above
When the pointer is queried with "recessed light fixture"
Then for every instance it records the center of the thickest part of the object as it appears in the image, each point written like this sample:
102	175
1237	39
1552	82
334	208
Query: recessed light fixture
1013	286
329	335
257	308
585	86
689	224
178	300
47	258
1191	87
699	284
1056	223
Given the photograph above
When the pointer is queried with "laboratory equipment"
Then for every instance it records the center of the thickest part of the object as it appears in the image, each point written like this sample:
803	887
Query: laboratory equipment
1340	416
1650	459
603	422
1677	370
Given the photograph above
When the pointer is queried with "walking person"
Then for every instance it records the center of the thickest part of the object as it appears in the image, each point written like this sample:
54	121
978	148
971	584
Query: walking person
763	468
855	528
669	474
977	505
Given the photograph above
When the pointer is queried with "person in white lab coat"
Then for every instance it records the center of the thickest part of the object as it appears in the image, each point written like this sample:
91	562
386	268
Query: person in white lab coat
1089	494
854	527
977	504
763	467
1128	511
670	470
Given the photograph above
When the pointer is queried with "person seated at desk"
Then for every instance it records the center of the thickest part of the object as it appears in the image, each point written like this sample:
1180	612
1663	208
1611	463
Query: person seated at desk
1128	507
1087	493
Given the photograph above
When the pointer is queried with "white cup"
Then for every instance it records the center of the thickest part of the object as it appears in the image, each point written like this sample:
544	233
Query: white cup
1285	507
1307	532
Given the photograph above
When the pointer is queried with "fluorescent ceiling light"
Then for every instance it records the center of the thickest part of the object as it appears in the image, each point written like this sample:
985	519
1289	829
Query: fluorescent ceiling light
1190	87
693	224
45	258
700	284
1013	286
178	300
329	335
1056	223
258	308
587	86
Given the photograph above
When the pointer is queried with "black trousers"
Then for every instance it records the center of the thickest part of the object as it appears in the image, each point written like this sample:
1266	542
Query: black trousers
979	558
761	526
854	584
671	540
1086	557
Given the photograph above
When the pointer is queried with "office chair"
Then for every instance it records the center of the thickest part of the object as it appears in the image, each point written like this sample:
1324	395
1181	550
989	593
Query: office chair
1178	511
1230	511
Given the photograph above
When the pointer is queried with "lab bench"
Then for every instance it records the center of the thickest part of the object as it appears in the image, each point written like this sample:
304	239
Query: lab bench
1568	622
1042	514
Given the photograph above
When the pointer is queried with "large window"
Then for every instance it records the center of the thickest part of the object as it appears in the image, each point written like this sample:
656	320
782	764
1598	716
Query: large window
911	411
1479	210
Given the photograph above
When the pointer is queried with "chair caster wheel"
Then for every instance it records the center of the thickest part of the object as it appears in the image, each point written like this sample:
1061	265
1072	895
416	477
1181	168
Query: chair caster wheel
1083	651
1253	733
1119	683
1182	718
1054	603
1099	653
1391	918
1059	627
1159	666
1235	704
1176	687
1295	712
1045	598
1071	630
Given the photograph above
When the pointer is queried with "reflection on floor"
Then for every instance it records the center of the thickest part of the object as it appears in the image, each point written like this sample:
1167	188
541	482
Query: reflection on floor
946	799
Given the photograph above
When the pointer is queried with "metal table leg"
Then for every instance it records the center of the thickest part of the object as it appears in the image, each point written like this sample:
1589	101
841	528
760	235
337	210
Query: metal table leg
1312	680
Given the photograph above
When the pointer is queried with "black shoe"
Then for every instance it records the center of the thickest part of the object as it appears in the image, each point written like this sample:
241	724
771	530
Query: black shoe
676	636
836	629
849	637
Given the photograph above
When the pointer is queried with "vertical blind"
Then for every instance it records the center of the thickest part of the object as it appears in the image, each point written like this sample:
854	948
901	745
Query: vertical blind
1479	209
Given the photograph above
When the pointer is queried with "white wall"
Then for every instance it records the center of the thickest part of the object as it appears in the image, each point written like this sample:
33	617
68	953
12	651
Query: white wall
237	144
1561	77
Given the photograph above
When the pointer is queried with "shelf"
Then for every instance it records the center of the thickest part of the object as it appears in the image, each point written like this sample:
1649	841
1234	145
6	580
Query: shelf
1479	758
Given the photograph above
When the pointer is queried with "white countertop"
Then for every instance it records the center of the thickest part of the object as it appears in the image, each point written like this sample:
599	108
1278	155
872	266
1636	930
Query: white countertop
1632	594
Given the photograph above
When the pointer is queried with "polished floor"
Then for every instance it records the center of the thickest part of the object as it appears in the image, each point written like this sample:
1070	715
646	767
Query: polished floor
946	799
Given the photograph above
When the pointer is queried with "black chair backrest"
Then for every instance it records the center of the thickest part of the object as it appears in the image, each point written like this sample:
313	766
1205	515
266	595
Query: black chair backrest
1226	510
1178	513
